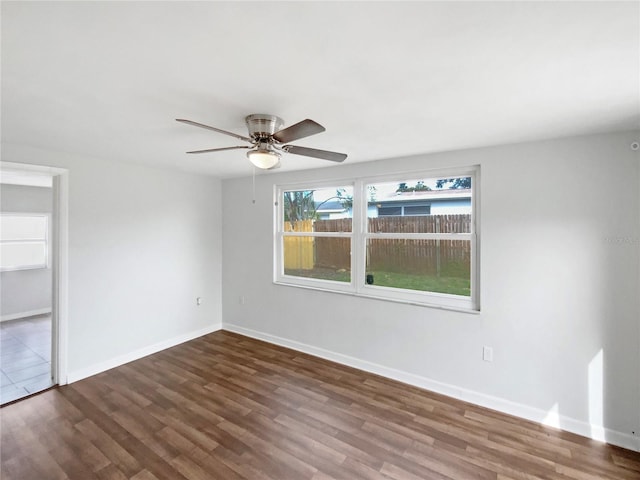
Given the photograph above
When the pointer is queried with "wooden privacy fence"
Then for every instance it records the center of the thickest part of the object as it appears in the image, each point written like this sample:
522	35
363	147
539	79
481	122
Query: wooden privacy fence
449	258
299	251
433	257
333	252
421	224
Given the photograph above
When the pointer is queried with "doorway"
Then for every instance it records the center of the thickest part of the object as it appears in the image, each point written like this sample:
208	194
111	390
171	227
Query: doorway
33	268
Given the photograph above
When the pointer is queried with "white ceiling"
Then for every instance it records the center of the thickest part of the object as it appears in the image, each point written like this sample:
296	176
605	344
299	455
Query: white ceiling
386	79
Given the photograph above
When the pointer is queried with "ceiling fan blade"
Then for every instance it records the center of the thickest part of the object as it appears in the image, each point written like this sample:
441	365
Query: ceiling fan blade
315	153
202	125
302	129
208	150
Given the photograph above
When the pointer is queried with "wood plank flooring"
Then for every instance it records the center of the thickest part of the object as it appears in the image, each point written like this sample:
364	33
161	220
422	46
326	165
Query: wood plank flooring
228	407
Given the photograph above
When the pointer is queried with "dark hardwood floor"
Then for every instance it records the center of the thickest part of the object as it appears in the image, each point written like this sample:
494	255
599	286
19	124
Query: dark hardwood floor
227	407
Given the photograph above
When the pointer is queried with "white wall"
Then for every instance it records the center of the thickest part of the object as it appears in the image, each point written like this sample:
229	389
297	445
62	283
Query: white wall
24	292
559	287
143	244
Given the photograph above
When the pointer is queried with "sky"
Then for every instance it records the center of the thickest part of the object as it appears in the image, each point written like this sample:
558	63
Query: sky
383	190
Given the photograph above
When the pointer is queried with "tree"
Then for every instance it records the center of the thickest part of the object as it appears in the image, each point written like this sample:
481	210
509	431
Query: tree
299	205
345	200
421	187
418	187
461	182
373	191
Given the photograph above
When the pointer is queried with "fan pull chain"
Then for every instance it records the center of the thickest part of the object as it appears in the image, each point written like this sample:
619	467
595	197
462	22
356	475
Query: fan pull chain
254	186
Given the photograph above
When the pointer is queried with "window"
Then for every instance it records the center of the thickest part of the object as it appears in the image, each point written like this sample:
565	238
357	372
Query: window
311	248
402	210
417	210
23	241
411	239
389	211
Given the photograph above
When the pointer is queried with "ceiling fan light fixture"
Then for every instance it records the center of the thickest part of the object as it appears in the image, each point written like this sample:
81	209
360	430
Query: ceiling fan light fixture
263	158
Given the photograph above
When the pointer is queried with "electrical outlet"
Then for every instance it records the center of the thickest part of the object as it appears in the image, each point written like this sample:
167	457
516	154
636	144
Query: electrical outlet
241	300
487	354
198	301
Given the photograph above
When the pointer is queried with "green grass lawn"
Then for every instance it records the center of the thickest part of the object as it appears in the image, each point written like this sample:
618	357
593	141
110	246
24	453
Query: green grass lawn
409	281
423	283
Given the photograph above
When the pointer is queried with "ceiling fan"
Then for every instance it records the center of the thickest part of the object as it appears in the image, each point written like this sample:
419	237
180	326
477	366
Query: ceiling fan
267	139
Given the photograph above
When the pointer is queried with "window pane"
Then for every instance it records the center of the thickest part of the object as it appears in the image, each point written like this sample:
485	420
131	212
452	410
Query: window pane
322	210
442	266
420	199
23	255
417	210
23	227
388	211
326	258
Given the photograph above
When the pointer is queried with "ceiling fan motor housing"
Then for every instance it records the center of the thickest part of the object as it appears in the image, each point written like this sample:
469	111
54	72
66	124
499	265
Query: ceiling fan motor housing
261	126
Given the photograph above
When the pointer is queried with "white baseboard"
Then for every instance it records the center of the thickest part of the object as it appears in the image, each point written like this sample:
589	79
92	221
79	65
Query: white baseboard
137	354
527	412
30	313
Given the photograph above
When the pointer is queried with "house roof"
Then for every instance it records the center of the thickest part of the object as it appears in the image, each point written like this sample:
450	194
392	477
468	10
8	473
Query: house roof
437	195
330	206
428	195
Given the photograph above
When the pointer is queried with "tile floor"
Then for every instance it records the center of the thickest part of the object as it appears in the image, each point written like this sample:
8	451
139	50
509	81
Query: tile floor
25	357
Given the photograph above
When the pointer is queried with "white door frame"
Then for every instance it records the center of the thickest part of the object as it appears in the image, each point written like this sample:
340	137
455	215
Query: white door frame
60	265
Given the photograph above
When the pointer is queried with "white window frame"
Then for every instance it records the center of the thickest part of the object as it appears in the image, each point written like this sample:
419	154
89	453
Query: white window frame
360	236
47	244
279	275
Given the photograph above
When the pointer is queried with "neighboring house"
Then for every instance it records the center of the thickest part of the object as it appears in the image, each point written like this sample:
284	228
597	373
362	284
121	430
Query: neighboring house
332	209
429	202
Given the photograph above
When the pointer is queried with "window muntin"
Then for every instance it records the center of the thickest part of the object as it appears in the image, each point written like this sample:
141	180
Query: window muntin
23	241
425	255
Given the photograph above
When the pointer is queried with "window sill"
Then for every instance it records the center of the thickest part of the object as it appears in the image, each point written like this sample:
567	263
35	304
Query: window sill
471	311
